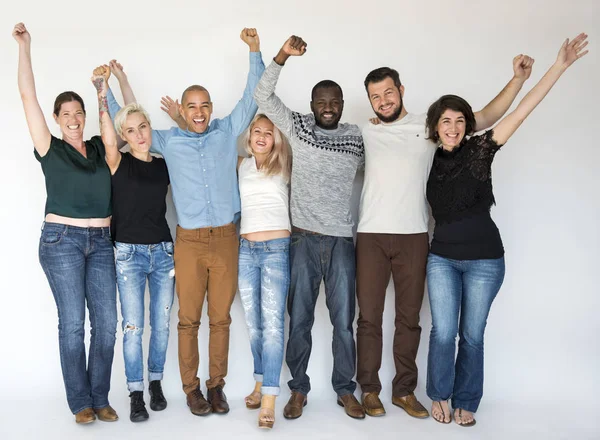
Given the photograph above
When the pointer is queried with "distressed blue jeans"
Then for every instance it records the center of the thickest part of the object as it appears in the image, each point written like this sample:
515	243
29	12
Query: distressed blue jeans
461	293
137	263
80	267
264	281
313	258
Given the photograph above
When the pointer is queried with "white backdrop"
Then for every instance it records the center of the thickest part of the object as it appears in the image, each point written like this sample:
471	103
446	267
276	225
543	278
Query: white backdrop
541	341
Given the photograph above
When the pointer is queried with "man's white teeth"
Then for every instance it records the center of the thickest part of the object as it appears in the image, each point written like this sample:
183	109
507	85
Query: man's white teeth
199	121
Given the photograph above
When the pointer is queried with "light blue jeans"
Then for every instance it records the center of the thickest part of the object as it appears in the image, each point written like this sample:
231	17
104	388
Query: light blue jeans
135	264
263	281
461	293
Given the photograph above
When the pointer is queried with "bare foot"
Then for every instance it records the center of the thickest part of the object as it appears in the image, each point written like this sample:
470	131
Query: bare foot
266	417
464	417
441	411
253	399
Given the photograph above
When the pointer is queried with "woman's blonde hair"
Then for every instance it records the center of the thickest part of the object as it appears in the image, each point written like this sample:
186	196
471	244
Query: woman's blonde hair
129	109
278	161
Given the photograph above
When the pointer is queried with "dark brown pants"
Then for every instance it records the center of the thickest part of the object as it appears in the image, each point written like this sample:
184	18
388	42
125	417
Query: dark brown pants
404	256
206	260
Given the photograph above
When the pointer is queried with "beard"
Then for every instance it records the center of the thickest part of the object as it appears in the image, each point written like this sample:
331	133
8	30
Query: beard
394	116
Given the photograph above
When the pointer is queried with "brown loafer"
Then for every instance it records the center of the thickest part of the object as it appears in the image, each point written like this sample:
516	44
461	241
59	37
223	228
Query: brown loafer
411	405
107	414
85	416
293	409
218	400
351	406
197	403
372	405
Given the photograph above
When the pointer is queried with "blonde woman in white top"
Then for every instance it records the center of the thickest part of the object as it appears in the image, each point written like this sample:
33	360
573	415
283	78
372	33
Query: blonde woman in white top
263	274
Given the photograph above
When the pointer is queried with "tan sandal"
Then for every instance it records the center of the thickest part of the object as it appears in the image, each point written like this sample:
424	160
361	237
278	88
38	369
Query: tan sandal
465	425
253	400
443	414
266	418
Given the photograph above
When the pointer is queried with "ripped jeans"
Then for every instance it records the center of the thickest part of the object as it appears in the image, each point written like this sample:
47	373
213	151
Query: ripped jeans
135	263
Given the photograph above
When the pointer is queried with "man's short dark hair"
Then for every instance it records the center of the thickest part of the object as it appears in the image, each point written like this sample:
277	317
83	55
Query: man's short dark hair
325	84
380	74
437	109
194	88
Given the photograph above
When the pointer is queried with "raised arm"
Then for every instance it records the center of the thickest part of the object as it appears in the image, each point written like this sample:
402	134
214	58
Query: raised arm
492	112
171	108
117	70
246	108
107	130
569	53
264	94
38	128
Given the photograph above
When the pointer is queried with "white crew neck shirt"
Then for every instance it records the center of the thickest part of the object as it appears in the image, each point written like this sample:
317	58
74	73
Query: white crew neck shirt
264	200
398	159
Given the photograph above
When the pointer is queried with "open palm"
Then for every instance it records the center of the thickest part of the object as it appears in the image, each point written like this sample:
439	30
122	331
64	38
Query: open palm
571	51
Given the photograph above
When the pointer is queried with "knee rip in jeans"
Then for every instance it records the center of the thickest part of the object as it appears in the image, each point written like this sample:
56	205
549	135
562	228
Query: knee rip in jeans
133	328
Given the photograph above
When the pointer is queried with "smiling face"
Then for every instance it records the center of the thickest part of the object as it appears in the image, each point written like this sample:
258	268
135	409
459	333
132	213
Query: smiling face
136	131
71	120
196	109
386	99
261	137
327	106
451	129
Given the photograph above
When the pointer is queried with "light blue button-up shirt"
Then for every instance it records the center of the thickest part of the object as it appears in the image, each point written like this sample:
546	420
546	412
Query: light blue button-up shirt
202	167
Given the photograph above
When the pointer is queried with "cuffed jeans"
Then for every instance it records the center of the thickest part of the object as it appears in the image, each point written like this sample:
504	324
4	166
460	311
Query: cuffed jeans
460	295
264	281
80	267
316	257
136	263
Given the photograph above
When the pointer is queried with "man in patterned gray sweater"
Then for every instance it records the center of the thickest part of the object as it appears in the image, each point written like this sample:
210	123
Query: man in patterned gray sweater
326	155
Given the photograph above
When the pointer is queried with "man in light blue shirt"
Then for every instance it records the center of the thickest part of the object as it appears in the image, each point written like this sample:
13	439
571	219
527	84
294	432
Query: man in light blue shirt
202	166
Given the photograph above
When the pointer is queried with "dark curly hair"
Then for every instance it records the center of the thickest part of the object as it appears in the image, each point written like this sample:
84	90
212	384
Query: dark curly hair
437	109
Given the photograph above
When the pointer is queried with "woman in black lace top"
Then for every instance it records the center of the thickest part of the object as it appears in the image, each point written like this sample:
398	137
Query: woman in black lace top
465	267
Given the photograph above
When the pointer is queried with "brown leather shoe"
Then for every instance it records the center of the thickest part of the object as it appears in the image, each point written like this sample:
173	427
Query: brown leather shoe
218	400
85	416
351	405
411	405
372	405
293	409
197	403
106	414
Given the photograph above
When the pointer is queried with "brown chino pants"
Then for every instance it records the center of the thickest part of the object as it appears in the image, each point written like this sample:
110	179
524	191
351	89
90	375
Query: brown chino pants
404	256
206	260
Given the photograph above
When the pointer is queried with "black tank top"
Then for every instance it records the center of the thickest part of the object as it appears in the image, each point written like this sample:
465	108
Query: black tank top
138	195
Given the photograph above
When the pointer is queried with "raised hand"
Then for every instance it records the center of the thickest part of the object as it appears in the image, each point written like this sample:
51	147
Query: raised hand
294	46
100	78
250	37
522	65
21	34
571	51
170	107
117	69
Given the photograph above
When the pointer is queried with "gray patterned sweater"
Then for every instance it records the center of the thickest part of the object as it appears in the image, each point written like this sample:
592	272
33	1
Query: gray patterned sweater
324	162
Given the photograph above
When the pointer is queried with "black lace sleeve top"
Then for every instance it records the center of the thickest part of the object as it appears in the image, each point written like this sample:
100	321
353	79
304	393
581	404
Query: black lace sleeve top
460	193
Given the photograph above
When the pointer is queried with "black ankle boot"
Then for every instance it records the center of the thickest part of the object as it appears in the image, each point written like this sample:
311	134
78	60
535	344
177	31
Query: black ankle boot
138	407
157	398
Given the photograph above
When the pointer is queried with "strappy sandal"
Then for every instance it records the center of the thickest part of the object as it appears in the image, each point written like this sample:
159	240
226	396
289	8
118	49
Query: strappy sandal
443	414
266	418
253	400
465	425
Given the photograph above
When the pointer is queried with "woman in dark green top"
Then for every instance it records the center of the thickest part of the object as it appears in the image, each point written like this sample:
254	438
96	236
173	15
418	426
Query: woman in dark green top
75	248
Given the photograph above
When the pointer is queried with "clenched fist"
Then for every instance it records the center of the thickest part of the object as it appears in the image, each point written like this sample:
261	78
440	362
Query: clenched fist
250	37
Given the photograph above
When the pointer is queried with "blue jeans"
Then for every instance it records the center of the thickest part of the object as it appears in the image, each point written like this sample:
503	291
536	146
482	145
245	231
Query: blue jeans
135	264
314	257
460	295
264	281
80	267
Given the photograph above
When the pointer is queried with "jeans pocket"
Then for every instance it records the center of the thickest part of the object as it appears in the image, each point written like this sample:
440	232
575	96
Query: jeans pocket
51	237
168	248
296	238
124	251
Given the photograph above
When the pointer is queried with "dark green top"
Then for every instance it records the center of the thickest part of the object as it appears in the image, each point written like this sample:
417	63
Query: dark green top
76	186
